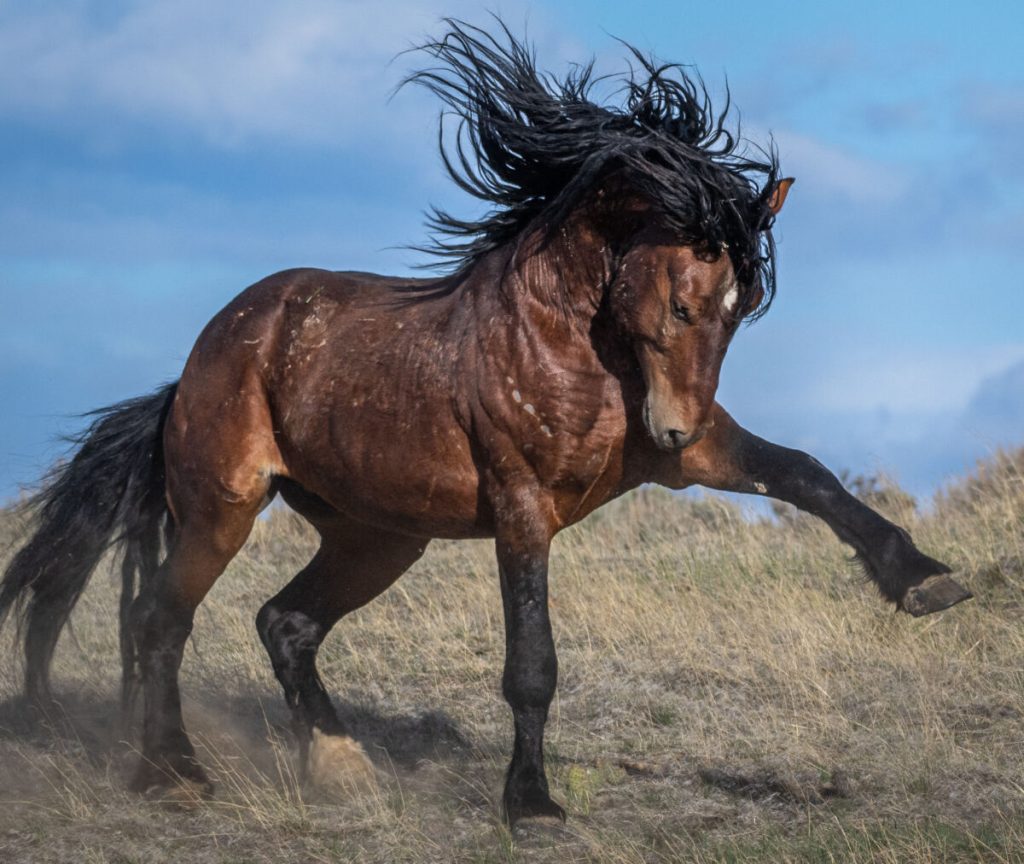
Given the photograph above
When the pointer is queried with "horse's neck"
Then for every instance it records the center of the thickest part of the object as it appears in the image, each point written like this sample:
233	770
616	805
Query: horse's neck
543	305
560	276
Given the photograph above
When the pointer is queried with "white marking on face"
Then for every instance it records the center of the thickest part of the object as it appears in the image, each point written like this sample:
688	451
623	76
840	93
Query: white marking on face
731	296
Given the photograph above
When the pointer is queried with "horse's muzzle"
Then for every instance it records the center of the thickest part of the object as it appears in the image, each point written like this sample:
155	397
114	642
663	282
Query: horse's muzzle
669	438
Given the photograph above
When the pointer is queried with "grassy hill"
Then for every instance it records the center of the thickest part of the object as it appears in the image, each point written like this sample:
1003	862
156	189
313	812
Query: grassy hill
730	690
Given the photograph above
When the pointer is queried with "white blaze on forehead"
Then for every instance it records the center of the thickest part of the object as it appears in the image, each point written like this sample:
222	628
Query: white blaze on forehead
731	296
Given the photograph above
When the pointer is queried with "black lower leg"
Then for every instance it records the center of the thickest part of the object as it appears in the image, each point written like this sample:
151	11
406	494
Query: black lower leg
162	627
353	565
292	639
892	560
528	683
40	640
141	562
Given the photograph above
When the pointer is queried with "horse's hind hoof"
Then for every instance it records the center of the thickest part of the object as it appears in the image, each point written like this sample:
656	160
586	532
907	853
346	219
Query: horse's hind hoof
338	764
933	595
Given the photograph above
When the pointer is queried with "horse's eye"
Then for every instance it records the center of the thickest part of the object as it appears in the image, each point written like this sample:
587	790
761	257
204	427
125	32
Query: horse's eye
680	311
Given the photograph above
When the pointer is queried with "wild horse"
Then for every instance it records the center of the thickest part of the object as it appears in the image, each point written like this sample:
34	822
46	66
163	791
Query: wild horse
571	354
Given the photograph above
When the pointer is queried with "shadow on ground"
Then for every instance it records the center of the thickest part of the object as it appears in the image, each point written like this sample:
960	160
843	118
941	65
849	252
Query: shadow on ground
91	726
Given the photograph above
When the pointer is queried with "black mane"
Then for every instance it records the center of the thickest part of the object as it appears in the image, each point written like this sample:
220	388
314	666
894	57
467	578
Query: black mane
532	145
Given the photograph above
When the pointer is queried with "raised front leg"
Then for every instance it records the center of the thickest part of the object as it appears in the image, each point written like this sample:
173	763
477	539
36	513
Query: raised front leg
531	668
732	459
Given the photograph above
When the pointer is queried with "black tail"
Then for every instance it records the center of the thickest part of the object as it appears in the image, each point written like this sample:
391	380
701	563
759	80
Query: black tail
111	493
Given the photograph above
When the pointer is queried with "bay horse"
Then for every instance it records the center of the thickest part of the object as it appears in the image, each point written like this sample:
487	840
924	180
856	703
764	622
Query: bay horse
571	354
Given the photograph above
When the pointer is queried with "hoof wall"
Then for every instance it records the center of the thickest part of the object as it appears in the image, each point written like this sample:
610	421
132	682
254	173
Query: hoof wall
540	812
934	594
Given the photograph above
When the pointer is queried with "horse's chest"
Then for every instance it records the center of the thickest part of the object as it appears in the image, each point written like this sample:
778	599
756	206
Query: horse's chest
576	455
567	428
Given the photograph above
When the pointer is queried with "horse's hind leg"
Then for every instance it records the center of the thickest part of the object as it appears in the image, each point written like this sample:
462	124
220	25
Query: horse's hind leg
219	464
206	540
355	563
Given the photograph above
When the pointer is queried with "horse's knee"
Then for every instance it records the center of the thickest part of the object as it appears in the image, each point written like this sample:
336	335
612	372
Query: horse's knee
531	674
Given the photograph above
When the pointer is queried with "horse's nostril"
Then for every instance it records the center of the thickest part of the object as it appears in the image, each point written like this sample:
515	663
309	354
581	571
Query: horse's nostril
676	439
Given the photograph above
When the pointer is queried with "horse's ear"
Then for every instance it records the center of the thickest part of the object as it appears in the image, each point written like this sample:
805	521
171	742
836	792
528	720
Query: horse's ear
779	193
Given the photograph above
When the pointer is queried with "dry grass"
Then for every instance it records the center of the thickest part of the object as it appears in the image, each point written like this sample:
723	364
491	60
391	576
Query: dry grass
730	690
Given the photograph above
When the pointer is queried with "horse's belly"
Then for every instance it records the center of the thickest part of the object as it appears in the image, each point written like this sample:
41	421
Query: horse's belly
429	497
416	478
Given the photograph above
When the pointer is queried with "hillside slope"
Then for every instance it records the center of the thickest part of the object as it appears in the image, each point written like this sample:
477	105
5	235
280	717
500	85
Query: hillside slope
730	690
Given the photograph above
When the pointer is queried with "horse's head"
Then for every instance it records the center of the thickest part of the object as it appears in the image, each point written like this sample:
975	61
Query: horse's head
673	199
679	307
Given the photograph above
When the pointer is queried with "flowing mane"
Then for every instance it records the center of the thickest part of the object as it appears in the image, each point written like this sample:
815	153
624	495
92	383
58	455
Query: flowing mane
532	145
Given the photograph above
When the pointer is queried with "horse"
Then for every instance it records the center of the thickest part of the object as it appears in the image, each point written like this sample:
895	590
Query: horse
570	353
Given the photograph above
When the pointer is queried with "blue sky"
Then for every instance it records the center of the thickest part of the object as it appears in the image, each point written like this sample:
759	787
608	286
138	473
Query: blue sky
155	158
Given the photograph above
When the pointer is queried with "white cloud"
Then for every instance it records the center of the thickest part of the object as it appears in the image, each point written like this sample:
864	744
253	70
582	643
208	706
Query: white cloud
809	368
826	168
303	71
941	379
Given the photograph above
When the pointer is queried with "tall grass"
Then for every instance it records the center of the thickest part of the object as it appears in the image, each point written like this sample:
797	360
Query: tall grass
731	690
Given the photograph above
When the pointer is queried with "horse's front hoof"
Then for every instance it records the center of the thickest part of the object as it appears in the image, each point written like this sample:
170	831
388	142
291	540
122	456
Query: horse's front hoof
933	595
532	803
